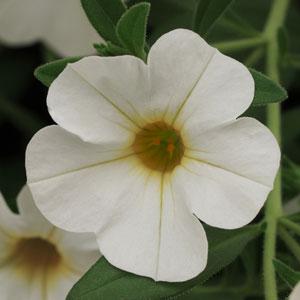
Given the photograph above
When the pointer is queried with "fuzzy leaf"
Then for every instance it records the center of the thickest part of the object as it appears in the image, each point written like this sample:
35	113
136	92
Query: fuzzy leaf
286	273
207	14
103	281
266	90
48	72
131	29
104	16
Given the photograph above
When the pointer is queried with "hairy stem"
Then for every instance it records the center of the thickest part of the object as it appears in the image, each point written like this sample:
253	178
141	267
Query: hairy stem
274	206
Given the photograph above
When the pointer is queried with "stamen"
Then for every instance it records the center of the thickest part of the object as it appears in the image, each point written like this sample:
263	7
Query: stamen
159	147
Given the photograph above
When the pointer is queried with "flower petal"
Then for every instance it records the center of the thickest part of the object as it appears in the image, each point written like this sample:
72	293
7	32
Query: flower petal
156	236
70	34
224	91
228	172
35	223
244	146
20	24
97	98
59	288
219	197
76	184
295	295
177	61
10	224
14	285
61	24
79	250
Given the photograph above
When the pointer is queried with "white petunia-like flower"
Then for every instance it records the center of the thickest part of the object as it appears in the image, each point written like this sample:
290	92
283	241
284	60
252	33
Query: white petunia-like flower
61	24
37	260
295	295
144	150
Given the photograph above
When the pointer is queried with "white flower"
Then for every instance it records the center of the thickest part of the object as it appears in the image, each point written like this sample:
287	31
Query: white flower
295	295
61	24
142	150
37	260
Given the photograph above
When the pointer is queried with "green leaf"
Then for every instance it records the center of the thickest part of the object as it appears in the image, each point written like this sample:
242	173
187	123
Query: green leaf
131	29
110	49
48	72
104	16
103	281
266	90
286	273
207	14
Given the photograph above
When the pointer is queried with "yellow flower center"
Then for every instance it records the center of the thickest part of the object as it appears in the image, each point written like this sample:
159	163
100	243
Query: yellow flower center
159	146
36	253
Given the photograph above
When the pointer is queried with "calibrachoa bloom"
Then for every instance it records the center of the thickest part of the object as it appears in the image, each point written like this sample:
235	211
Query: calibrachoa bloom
37	260
61	24
295	295
144	150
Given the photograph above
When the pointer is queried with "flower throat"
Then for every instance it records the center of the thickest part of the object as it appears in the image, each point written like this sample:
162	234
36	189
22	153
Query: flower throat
159	146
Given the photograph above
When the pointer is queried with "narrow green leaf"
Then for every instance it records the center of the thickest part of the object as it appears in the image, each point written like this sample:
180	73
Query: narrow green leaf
266	90
104	15
207	14
103	281
287	274
131	29
48	72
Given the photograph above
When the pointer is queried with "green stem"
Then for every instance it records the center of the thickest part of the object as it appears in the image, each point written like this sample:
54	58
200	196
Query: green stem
254	57
290	225
230	46
274	206
290	242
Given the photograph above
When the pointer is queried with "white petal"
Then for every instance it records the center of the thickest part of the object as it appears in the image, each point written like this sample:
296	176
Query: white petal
53	151
224	91
177	61
79	250
59	289
231	172
70	32
15	285
244	146
23	22
295	295
219	197
62	24
10	224
156	236
97	98
35	223
76	184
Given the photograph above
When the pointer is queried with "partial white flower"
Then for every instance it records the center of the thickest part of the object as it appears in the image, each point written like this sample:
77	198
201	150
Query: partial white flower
143	150
295	295
61	24
37	260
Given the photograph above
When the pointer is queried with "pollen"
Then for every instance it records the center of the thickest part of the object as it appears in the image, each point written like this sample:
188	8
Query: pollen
159	146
